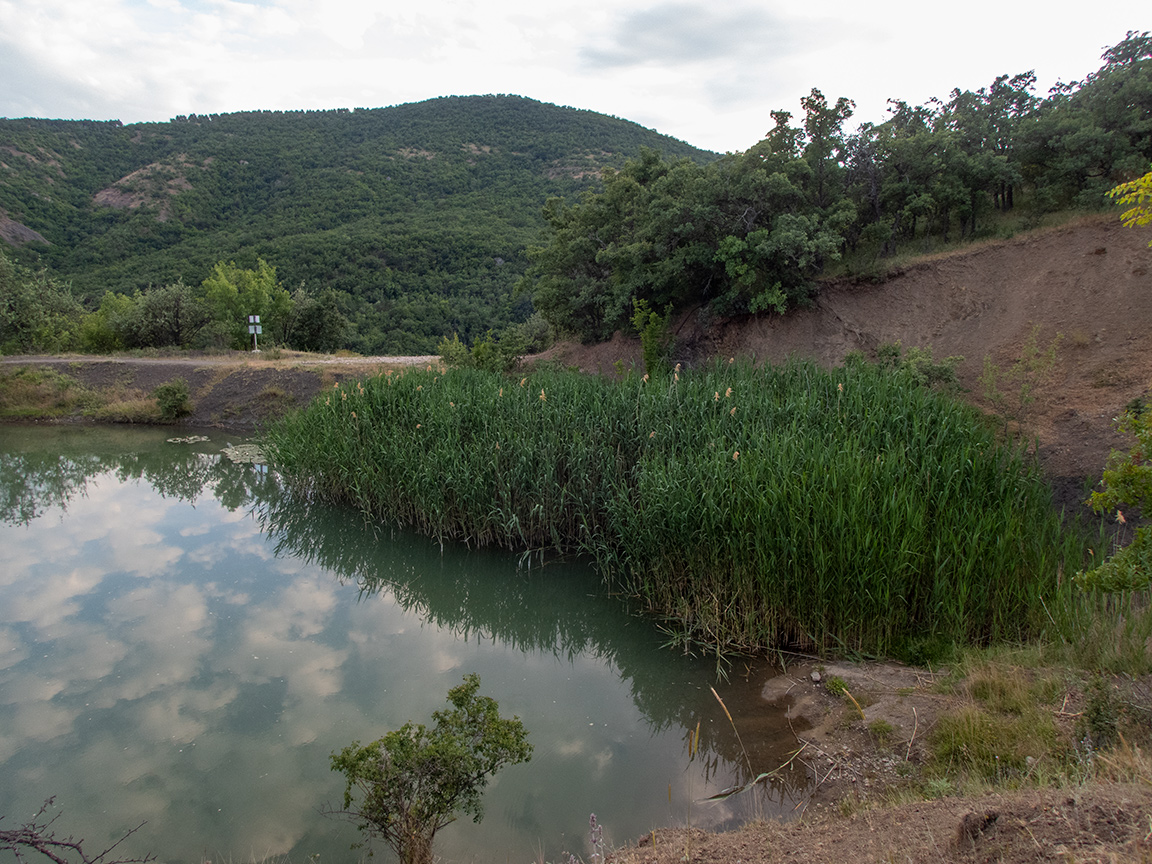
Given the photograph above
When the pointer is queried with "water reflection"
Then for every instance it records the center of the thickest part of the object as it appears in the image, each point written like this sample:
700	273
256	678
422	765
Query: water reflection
183	641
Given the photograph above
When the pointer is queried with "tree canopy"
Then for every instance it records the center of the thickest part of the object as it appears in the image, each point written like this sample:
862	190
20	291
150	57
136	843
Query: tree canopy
750	232
406	786
408	225
411	221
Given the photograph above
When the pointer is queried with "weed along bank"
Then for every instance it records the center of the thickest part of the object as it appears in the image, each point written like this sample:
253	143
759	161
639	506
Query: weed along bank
852	509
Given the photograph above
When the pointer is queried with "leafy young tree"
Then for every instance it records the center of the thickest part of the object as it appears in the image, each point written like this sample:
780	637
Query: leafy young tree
111	327
1127	481
36	314
233	293
406	786
652	328
1137	193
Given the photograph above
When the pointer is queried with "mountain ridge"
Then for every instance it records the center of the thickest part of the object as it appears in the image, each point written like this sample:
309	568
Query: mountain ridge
417	215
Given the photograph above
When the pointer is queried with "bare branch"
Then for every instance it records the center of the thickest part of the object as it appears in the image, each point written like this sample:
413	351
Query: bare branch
37	835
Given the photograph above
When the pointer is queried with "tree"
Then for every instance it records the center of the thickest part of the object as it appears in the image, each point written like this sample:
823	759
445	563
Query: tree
414	780
36	314
169	315
824	151
233	293
1138	193
316	323
1127	481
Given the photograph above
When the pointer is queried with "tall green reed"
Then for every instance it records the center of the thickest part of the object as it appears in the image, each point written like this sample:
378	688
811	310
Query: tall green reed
848	508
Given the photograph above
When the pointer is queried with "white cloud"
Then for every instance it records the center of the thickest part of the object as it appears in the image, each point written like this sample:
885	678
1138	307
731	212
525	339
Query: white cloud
707	73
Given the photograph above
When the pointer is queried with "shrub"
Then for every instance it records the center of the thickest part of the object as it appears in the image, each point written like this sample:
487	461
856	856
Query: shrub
654	334
1127	481
414	780
173	399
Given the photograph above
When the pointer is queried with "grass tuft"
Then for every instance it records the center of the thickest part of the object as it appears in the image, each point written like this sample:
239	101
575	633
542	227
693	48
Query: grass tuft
862	513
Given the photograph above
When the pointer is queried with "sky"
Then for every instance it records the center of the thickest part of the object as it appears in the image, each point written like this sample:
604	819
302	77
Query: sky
708	72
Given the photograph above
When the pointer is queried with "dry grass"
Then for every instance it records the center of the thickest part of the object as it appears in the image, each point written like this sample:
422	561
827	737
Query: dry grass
40	393
131	406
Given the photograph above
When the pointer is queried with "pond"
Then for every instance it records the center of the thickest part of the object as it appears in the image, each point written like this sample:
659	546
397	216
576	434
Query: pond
183	641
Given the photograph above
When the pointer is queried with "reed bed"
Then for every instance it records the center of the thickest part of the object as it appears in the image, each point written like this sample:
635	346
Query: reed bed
848	509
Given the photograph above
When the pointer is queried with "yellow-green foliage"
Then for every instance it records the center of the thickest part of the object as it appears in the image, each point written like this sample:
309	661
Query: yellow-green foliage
1138	193
1127	481
850	508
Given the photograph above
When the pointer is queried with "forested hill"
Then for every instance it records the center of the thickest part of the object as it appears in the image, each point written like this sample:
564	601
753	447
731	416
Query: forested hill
417	216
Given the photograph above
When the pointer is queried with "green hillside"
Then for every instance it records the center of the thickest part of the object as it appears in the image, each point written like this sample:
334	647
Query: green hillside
417	216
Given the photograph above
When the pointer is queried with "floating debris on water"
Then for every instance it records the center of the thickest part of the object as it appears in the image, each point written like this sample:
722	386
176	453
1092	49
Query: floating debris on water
245	453
191	439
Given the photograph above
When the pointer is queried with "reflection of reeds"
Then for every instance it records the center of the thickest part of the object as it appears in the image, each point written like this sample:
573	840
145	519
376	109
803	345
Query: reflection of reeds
854	511
739	740
755	778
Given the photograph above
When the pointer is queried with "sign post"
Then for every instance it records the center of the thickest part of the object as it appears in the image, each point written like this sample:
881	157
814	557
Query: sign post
254	328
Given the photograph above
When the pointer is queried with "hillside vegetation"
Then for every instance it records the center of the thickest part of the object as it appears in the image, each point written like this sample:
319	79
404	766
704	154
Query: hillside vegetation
750	232
388	230
415	216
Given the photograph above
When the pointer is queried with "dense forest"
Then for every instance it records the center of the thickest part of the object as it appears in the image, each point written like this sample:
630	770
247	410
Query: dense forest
388	230
750	232
413	220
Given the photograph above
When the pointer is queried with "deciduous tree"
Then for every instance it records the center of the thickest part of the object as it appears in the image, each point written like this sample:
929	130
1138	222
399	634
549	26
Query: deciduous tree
406	786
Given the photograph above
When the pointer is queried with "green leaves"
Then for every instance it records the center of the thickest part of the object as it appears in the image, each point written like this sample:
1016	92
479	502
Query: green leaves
746	229
1137	193
407	785
233	293
36	314
1127	481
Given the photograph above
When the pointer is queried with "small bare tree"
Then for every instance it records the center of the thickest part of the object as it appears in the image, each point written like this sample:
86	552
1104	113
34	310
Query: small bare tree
39	836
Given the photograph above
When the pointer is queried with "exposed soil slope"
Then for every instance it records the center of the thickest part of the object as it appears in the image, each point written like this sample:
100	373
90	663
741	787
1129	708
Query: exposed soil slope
1090	281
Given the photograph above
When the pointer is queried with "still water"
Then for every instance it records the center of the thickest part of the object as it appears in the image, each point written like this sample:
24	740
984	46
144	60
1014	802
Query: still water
184	642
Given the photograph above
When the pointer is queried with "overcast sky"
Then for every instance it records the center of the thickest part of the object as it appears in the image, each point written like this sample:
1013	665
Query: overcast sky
706	72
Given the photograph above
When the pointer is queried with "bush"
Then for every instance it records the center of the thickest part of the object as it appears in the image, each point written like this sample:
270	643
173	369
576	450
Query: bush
173	399
1127	481
413	781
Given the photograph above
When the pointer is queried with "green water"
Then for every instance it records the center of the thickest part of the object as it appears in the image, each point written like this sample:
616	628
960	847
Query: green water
183	642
